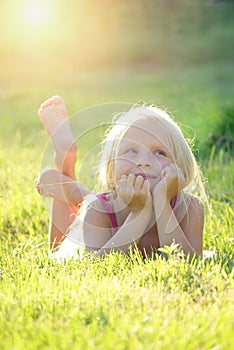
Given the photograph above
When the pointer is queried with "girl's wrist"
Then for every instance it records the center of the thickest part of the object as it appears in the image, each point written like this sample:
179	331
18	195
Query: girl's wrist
163	195
160	205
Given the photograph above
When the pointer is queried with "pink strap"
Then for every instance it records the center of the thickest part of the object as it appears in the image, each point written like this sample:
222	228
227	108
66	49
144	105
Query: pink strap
109	210
173	202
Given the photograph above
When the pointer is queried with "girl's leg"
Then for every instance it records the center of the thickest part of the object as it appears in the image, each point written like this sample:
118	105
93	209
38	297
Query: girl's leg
54	117
67	194
52	183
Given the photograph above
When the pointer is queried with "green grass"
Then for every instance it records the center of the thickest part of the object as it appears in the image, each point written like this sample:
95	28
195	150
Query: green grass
116	302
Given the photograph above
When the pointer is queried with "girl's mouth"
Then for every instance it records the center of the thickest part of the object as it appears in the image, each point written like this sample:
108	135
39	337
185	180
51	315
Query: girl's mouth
145	176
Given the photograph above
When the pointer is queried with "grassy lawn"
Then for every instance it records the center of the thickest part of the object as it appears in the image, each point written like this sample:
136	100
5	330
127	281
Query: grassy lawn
119	302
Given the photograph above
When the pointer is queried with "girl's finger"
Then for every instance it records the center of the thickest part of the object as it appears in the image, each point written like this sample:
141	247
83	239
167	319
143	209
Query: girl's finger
176	170
139	182
164	171
145	186
122	185
131	179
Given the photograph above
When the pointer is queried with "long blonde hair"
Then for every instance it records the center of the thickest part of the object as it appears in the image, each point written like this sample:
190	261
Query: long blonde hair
178	146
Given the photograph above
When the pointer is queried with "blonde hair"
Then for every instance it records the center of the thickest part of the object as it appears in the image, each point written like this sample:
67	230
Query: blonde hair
176	143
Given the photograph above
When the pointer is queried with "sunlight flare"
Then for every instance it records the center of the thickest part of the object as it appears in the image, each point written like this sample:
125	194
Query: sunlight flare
36	12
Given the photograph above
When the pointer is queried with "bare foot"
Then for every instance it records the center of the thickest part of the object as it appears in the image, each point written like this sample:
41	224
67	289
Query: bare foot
52	183
54	117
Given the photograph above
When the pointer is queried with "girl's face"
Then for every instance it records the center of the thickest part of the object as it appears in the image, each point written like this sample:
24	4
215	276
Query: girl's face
143	151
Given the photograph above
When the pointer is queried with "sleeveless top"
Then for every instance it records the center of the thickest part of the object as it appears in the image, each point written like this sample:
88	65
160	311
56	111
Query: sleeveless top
108	208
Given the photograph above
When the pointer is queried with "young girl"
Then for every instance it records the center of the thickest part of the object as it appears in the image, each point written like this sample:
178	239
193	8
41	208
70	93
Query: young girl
150	175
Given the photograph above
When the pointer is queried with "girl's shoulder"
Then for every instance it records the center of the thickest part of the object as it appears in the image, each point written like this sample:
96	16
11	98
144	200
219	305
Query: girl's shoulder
91	201
96	200
189	201
194	202
191	220
188	206
94	211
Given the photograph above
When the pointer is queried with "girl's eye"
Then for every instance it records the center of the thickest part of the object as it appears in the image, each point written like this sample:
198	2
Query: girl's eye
159	152
131	150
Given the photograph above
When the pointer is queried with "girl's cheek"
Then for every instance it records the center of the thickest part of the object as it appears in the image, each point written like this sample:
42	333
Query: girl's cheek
165	162
123	166
160	164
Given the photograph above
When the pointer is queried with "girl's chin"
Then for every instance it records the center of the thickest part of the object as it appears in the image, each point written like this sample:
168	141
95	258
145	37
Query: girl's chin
153	183
151	187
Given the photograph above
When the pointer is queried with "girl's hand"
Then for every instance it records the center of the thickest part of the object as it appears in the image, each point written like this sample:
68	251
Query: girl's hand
171	183
134	192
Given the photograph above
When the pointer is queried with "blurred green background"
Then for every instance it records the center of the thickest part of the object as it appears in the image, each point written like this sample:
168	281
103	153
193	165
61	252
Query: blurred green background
178	54
42	37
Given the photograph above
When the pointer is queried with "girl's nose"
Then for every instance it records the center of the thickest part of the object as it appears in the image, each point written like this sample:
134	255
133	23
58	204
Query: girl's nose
143	165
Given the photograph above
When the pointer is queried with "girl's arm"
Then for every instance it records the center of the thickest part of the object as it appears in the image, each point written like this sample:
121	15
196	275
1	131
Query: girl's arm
134	193
189	232
131	231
